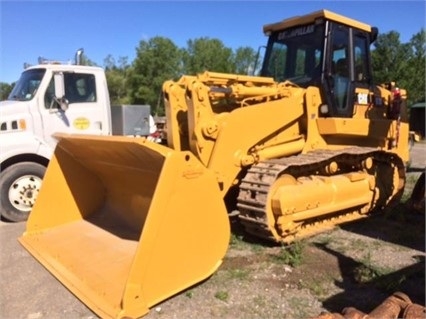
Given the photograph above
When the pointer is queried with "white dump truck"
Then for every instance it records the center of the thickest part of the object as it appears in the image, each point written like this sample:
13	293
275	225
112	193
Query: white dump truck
52	98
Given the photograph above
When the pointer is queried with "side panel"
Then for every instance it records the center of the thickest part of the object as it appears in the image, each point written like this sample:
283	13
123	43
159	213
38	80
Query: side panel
131	120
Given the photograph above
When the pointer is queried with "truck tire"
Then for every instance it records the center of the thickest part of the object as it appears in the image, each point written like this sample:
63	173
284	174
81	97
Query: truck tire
19	187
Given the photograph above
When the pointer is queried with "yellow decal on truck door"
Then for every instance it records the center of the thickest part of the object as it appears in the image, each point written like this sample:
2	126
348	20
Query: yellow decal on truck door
81	123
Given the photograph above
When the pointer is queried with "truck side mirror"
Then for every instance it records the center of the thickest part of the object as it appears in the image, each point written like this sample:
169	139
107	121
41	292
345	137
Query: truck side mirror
60	91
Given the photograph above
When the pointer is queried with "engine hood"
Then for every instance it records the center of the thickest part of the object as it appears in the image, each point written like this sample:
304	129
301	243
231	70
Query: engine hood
11	107
15	116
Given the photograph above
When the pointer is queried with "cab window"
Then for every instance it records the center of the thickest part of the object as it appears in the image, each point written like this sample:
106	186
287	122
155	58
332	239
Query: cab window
360	55
295	54
79	88
27	86
341	67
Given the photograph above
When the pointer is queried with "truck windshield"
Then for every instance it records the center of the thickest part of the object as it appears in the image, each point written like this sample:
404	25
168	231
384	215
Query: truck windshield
296	55
27	85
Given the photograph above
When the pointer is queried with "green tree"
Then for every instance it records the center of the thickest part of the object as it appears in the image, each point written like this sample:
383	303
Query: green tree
389	58
245	60
205	54
157	60
416	84
116	75
403	63
5	90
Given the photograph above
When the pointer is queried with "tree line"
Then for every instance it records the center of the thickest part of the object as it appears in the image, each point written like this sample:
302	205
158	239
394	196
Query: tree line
159	59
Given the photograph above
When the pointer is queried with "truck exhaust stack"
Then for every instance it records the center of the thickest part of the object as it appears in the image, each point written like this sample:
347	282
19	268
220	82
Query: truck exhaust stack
78	56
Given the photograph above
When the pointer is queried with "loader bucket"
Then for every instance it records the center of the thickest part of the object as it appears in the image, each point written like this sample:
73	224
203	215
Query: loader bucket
125	223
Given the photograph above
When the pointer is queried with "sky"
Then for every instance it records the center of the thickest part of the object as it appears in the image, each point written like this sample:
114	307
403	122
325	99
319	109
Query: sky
56	29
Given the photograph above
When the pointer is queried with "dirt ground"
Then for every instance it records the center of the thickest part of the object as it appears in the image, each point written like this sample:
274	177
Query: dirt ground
358	265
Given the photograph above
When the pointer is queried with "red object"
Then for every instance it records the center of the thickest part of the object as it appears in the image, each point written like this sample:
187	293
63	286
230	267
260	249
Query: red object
396	93
395	111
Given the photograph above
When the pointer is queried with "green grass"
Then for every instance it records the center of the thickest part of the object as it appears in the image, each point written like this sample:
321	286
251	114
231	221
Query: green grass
367	271
291	255
222	295
238	274
318	286
237	242
300	307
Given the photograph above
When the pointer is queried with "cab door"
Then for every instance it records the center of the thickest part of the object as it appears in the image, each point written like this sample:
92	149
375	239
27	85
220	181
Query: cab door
362	77
340	76
85	113
350	78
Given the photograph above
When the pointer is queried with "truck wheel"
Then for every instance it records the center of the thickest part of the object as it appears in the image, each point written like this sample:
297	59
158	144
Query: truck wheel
19	187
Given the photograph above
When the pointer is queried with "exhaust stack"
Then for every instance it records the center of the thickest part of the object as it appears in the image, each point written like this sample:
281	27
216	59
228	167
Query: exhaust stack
78	56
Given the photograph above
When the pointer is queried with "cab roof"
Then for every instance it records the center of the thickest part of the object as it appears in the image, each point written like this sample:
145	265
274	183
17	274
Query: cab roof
65	67
311	17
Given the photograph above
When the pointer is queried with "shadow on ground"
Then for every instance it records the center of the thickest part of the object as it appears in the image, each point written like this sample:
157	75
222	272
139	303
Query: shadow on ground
401	227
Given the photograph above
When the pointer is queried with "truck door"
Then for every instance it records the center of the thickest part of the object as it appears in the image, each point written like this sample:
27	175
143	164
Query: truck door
85	114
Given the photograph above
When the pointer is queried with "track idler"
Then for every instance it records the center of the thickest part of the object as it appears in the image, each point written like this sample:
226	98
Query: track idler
295	201
397	306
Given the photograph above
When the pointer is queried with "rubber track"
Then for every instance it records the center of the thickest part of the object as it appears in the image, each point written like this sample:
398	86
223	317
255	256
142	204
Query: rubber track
255	186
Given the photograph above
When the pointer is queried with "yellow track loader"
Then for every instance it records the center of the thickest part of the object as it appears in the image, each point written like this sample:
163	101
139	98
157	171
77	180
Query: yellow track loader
311	143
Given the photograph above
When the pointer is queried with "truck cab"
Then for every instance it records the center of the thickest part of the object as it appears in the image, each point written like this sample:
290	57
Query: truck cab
31	116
